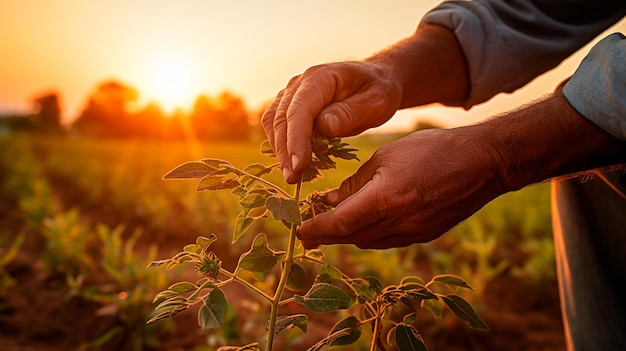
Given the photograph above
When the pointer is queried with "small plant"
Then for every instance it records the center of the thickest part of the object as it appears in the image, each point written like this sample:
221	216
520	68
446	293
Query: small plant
7	254
330	290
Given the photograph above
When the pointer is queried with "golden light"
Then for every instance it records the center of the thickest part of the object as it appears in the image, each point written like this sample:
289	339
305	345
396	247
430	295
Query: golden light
171	85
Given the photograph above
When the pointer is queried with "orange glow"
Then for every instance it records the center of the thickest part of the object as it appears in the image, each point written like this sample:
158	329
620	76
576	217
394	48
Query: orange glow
171	85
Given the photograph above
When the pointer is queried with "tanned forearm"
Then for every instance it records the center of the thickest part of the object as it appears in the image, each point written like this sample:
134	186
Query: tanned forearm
545	140
430	67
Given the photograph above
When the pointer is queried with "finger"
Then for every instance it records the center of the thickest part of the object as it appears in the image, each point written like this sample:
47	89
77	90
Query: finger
361	210
353	183
315	91
280	128
267	121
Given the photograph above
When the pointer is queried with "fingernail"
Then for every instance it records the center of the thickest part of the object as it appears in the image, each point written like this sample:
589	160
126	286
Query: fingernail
332	122
332	197
286	173
294	162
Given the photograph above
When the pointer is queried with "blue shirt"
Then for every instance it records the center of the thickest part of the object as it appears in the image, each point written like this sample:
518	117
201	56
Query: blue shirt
509	43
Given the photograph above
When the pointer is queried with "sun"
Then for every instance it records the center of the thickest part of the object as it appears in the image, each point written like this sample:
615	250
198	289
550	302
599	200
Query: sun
171	85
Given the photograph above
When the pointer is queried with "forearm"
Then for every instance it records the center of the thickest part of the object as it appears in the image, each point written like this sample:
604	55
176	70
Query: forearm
429	66
545	140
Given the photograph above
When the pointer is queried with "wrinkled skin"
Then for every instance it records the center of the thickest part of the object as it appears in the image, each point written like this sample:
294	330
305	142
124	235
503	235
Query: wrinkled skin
412	190
338	99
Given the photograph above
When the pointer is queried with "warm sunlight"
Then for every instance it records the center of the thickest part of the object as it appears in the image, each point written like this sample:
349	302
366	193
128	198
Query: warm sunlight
171	85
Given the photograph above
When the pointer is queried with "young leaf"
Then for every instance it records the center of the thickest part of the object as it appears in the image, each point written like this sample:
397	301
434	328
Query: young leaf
328	341
260	258
192	169
284	209
298	279
266	148
205	242
353	324
213	309
434	306
452	280
212	182
183	287
407	338
325	298
250	202
284	323
464	311
242	223
215	162
330	270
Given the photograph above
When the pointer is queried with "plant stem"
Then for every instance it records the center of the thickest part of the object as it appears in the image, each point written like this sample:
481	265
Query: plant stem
233	277
283	278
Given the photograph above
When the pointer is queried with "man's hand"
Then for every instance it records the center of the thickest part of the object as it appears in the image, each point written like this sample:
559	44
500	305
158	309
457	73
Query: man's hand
346	98
415	189
338	100
412	190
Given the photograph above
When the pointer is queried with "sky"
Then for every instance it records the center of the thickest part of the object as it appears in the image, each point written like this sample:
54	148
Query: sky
173	50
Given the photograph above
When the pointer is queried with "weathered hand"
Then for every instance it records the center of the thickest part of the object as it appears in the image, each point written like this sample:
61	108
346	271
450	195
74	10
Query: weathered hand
337	99
410	191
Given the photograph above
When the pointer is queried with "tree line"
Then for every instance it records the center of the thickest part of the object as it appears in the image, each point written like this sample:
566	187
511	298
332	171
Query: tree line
111	111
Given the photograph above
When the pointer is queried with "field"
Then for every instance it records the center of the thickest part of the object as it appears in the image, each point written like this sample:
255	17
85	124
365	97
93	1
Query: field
81	218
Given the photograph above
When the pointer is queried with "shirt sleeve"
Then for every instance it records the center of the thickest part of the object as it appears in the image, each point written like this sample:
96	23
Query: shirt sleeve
509	43
597	90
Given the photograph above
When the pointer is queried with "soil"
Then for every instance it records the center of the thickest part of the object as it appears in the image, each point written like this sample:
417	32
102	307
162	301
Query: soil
36	315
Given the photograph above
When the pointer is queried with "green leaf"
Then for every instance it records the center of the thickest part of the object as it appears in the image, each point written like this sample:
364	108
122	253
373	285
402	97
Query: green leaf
192	169
183	287
407	338
205	242
412	280
420	294
324	297
284	323
242	223
364	292
464	311
214	306
284	209
212	182
434	306
252	347
250	202
193	248
298	279
266	148
260	258
172	303
330	270
327	341
215	162
452	280
158	263
353	324
163	295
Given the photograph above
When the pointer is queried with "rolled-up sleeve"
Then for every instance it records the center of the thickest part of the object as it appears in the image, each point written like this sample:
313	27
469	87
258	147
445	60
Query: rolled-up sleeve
597	90
509	43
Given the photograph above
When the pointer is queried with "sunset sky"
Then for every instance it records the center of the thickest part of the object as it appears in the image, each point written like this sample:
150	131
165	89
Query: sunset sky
171	51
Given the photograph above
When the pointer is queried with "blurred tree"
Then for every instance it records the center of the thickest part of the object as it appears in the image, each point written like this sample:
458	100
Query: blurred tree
48	115
107	111
223	117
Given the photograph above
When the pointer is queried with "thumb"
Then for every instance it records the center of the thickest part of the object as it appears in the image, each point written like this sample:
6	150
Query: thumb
352	184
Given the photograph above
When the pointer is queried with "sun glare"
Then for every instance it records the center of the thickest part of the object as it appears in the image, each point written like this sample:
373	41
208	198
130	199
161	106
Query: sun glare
171	85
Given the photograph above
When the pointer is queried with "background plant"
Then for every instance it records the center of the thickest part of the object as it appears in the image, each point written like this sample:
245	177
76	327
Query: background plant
331	290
